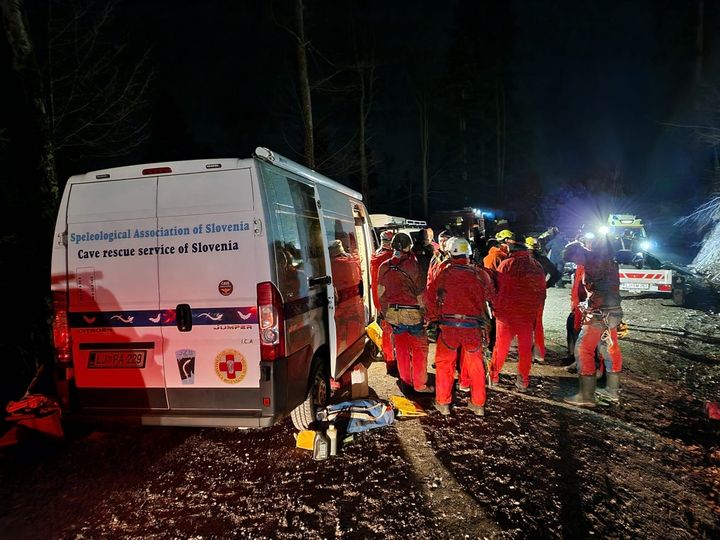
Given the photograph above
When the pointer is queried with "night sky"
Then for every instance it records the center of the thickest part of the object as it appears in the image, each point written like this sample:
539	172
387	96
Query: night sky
590	88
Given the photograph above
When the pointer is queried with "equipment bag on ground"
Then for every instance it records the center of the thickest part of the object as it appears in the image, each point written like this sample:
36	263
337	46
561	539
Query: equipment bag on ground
359	415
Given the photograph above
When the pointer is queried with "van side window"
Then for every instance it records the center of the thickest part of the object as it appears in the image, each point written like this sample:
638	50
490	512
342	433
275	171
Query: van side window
297	238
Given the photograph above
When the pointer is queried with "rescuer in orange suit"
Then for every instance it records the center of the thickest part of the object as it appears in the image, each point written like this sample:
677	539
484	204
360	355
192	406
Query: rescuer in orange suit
384	253
601	316
520	293
441	256
349	307
400	286
497	253
498	250
456	301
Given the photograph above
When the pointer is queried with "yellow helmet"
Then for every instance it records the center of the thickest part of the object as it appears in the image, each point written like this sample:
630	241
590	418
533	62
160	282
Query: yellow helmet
505	234
531	242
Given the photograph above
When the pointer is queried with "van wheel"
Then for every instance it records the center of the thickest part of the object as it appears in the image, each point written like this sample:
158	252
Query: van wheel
303	416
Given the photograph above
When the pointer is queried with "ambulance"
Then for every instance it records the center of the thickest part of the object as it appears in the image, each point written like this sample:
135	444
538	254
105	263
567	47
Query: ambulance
226	292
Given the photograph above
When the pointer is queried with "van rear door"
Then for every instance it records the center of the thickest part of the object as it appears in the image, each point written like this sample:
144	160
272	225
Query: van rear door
209	285
113	292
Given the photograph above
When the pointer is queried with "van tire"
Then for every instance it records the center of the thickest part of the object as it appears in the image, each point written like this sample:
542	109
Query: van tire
303	416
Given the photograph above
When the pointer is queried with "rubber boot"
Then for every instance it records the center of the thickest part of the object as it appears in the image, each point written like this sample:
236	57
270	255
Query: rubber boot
586	395
611	390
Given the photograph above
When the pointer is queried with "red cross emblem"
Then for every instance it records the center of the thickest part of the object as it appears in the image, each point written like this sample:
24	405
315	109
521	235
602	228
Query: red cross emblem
230	366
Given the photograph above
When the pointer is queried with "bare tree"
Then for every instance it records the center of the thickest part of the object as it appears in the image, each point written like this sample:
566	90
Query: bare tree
351	83
96	107
365	72
26	66
422	101
306	97
81	101
501	136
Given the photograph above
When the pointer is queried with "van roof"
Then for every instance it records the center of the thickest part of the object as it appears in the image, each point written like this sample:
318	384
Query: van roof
202	165
159	169
268	155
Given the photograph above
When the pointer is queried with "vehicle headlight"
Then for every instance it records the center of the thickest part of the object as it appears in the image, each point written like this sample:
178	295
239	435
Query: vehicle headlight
645	245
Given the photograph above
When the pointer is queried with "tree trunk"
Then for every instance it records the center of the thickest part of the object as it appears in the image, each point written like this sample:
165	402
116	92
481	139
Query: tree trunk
306	98
463	140
25	64
364	180
424	115
500	133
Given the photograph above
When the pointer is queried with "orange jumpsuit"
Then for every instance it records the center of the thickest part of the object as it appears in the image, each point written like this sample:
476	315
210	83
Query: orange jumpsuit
456	300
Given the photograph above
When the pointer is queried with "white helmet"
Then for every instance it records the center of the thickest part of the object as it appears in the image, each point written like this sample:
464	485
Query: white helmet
459	247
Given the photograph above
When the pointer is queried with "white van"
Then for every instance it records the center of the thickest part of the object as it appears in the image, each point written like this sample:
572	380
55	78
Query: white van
208	293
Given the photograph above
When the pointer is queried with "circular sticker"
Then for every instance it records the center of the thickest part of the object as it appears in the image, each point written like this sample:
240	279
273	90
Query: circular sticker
230	366
225	287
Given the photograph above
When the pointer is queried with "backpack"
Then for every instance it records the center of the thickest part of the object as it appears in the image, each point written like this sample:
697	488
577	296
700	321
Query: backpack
359	415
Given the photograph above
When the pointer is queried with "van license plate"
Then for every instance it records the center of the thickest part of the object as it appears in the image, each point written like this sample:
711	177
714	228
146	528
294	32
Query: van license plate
128	358
636	285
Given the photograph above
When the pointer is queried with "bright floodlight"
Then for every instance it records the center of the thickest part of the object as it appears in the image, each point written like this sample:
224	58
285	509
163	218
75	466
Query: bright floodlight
604	229
645	245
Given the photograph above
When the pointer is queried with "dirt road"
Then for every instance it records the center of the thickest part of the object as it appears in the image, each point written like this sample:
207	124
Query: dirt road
532	468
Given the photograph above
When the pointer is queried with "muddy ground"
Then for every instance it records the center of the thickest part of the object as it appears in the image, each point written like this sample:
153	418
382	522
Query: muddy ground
532	468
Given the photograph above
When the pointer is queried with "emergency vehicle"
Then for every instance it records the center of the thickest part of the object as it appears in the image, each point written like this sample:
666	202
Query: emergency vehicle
384	222
640	271
224	292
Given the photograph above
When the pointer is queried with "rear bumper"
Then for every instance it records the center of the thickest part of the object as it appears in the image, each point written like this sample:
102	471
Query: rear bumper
282	386
175	418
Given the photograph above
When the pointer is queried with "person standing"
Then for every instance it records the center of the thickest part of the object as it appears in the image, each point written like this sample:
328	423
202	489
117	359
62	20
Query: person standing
520	293
456	300
400	287
551	277
553	244
602	315
384	253
425	250
497	250
441	255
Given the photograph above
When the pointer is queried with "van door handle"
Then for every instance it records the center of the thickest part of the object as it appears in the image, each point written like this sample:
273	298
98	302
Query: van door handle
319	280
183	316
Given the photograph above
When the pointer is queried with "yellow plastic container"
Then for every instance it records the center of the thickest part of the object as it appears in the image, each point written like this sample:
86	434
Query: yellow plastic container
374	332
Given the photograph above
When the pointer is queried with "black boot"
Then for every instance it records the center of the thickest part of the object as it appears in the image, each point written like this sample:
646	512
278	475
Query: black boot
611	392
586	394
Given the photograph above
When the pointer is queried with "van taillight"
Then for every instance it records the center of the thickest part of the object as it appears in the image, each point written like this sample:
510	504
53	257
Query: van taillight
271	318
61	329
157	170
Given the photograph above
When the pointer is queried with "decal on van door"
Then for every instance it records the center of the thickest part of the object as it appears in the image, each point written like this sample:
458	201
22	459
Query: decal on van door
200	316
225	287
186	365
230	366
